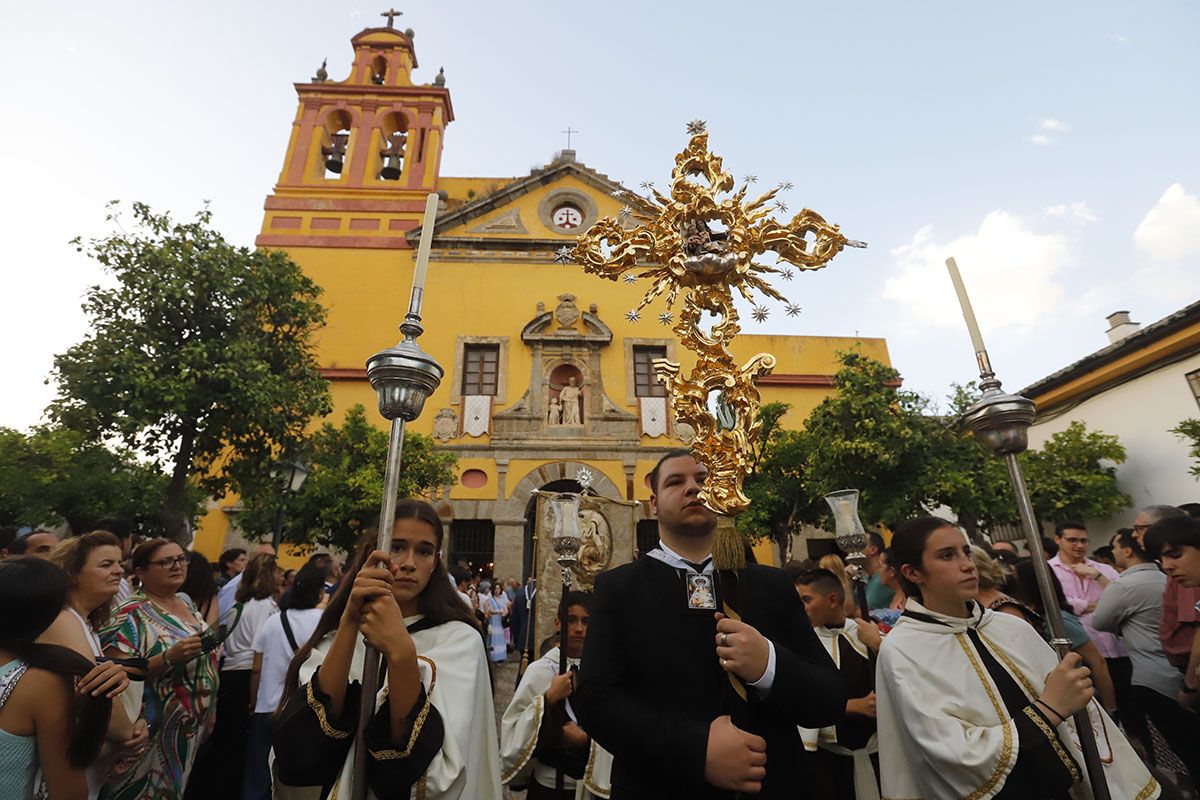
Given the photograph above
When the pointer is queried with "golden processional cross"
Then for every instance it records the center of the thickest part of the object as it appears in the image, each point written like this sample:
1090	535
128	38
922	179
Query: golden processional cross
702	241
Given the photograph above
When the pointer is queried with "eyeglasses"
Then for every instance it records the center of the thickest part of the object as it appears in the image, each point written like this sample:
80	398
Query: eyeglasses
1140	528
167	563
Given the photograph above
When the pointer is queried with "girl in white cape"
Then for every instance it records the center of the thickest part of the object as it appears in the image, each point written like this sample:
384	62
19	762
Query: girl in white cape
972	703
433	734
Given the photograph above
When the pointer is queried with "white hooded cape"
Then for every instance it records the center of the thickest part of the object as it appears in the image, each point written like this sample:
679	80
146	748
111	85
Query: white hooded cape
943	728
454	672
519	728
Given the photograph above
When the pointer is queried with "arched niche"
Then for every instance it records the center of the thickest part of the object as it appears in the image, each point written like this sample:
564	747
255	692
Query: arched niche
567	377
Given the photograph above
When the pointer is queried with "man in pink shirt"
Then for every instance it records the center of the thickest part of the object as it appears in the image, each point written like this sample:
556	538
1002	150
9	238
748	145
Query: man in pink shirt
1083	581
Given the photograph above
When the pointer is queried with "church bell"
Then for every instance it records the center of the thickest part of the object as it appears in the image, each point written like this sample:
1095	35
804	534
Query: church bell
335	152
391	168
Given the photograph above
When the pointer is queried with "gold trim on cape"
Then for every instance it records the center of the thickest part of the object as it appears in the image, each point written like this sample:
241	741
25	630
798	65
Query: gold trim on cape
527	751
322	719
1006	749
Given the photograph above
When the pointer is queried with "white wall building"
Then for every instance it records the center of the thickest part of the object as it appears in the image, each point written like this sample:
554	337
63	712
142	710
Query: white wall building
1145	382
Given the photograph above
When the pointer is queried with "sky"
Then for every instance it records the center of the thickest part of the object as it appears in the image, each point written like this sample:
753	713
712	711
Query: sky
1051	148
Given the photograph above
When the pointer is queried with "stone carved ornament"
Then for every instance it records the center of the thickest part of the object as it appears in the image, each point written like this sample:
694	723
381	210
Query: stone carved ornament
445	425
566	312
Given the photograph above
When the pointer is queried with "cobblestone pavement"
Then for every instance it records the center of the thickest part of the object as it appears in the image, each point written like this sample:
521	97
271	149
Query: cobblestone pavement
504	680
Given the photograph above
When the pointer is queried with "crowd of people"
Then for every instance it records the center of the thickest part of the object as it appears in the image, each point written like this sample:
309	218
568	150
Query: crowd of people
140	670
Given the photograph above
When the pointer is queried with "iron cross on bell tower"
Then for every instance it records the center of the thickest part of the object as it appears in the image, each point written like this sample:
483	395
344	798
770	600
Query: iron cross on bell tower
391	15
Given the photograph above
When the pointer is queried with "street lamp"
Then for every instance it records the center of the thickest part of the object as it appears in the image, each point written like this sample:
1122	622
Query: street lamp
290	475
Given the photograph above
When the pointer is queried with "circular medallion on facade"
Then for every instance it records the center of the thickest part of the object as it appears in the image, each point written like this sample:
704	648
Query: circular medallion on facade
567	217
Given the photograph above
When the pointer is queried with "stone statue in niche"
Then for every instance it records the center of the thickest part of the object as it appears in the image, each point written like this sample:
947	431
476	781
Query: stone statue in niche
555	415
569	397
445	425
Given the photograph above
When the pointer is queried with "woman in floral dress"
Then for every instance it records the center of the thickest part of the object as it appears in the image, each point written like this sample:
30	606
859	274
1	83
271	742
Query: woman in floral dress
162	626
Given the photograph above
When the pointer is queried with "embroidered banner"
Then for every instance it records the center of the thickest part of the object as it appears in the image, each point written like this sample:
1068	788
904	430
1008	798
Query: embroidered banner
477	414
654	415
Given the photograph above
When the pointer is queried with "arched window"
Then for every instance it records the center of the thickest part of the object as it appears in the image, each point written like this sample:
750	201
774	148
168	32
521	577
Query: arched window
334	141
378	70
394	138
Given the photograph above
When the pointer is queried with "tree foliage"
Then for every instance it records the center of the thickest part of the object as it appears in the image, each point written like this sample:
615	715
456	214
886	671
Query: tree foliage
200	355
907	458
344	489
1074	475
55	475
1189	430
873	436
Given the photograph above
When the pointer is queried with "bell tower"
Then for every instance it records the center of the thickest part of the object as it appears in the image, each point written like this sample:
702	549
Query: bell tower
363	152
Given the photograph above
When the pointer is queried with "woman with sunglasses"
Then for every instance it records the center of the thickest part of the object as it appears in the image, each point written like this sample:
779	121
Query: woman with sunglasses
162	626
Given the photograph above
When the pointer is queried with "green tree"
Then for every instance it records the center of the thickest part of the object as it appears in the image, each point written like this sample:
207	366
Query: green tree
773	481
200	356
963	475
906	459
1189	430
873	436
1069	478
56	475
22	499
344	489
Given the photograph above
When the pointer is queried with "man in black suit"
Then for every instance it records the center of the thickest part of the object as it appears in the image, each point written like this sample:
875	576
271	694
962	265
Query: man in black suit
653	688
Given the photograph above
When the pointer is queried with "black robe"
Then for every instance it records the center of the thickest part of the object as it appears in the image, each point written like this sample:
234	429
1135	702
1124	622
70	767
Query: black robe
651	684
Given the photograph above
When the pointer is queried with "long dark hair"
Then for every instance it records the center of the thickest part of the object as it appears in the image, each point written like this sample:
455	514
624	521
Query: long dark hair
33	591
306	589
438	601
1024	587
908	547
199	583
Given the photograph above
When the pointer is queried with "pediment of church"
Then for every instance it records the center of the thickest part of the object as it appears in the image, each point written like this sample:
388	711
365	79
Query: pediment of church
543	210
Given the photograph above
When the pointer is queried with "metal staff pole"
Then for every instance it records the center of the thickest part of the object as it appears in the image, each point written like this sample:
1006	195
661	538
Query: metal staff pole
1000	422
403	377
564	507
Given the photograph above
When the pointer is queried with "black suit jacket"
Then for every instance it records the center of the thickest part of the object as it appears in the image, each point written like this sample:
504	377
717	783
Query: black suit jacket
650	681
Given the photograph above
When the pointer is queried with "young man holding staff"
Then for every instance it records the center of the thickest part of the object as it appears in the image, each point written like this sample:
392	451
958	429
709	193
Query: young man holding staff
654	684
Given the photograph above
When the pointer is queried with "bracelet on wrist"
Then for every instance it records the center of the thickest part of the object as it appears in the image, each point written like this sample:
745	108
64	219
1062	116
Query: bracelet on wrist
166	660
1061	717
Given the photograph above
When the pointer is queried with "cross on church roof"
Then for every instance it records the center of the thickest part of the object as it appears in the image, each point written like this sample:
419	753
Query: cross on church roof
568	132
391	15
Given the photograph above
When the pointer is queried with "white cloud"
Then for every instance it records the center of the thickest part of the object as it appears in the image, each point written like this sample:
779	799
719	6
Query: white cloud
1171	230
1120	38
1167	283
1075	212
1049	131
1009	271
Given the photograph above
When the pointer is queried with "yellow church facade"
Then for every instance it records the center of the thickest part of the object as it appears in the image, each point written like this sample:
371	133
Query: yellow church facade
547	371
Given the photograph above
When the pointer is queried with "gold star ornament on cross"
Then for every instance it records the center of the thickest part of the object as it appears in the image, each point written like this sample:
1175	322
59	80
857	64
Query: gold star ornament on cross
701	241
